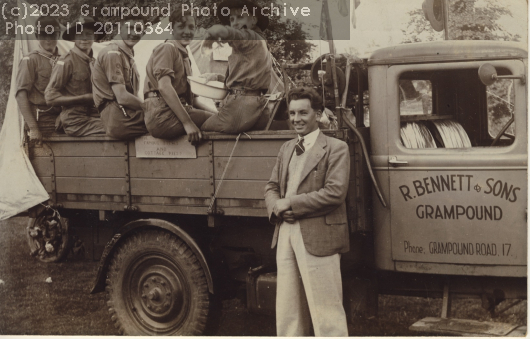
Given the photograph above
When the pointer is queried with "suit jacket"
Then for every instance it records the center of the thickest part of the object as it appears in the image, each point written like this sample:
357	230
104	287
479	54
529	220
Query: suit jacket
319	204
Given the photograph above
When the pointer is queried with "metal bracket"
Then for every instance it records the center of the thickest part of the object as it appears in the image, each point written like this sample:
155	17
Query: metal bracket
53	178
211	168
129	206
446	306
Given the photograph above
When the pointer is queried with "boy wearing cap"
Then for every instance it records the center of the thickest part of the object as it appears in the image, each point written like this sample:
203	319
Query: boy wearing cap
249	68
33	77
70	85
168	99
115	83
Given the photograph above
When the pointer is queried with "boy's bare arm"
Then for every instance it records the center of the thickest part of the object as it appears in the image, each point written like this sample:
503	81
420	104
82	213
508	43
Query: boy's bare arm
66	100
218	32
125	98
172	99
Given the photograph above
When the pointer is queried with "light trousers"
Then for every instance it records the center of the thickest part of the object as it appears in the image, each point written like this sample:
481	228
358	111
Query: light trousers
309	289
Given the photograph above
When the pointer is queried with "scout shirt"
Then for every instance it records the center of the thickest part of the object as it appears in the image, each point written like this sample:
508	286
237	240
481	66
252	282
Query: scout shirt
71	76
170	58
115	65
34	74
250	64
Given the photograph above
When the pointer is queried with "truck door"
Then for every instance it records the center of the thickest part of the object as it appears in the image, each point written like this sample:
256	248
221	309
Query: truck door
458	196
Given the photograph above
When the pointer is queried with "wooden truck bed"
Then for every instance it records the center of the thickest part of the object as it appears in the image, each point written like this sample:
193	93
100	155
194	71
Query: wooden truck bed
100	173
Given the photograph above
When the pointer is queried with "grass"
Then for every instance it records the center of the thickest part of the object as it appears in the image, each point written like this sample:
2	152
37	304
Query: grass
31	306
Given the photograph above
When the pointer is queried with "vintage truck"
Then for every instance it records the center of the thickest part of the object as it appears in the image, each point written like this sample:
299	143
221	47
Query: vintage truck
444	214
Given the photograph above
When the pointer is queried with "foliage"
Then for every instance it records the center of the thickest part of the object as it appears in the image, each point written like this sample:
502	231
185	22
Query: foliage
467	21
286	37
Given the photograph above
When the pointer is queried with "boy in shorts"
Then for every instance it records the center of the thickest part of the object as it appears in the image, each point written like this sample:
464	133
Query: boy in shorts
249	69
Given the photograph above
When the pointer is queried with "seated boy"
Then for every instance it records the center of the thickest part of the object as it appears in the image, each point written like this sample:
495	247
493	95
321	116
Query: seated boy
33	77
168	98
249	69
115	83
70	85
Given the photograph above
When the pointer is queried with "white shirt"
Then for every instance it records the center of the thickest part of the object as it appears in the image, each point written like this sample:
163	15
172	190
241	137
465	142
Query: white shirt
309	139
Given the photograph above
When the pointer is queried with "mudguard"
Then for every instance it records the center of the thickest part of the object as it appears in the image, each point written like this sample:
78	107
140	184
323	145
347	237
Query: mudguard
99	284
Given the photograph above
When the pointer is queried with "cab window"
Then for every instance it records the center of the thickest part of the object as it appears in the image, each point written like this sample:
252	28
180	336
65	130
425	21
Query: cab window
453	109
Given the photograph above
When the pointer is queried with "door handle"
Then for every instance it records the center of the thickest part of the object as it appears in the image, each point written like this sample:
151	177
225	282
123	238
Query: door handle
395	162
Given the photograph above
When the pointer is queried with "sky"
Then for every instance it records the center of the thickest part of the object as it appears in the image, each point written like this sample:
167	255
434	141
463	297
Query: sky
379	24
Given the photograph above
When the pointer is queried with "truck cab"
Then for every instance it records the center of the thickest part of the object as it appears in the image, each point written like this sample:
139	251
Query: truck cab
451	155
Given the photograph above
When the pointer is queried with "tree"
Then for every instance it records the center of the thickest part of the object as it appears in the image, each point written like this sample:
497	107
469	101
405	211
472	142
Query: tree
467	21
286	37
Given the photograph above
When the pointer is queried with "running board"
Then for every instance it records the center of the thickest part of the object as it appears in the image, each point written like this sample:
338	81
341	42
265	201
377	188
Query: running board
466	327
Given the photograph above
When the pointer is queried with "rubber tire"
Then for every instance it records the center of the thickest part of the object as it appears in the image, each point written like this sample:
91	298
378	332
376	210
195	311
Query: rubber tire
65	245
154	254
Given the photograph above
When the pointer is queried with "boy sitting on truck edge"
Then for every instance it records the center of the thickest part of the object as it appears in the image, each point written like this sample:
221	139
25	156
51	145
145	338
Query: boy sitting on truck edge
249	69
33	76
115	82
70	85
168	99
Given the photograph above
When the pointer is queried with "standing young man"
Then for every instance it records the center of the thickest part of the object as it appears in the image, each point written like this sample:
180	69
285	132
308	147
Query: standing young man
33	76
115	83
249	68
305	198
70	85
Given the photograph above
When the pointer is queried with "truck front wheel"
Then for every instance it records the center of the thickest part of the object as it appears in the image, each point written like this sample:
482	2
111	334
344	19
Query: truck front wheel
156	286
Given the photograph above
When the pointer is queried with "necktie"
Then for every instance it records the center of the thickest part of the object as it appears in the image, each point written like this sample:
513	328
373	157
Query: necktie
300	149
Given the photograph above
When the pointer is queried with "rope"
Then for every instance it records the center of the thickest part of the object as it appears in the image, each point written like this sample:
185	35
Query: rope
55	212
224	172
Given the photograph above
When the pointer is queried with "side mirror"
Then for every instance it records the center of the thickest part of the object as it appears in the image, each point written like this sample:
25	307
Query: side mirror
488	75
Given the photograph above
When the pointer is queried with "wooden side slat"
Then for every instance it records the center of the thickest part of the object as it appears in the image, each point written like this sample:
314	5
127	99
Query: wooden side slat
42	166
248	148
89	149
245	168
91	167
93	205
171	187
242	189
170	168
232	189
105	198
91	185
167	201
47	183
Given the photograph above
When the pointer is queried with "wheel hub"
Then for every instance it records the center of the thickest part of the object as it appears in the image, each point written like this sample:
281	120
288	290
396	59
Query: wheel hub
161	294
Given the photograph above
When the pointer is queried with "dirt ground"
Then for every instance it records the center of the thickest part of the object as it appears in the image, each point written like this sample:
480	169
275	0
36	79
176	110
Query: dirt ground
31	306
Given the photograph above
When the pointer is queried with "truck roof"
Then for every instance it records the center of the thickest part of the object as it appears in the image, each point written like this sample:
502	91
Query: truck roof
445	51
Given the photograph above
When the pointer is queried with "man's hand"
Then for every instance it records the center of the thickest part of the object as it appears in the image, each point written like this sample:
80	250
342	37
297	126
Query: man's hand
194	133
35	135
281	206
288	216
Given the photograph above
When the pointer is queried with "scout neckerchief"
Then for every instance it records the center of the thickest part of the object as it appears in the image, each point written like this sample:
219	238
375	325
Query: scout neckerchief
135	76
85	57
52	57
187	67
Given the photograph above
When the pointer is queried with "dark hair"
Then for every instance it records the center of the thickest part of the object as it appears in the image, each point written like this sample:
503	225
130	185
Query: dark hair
177	17
300	93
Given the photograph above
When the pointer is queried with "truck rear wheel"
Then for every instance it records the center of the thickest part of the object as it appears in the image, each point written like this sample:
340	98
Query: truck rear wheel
48	237
156	286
